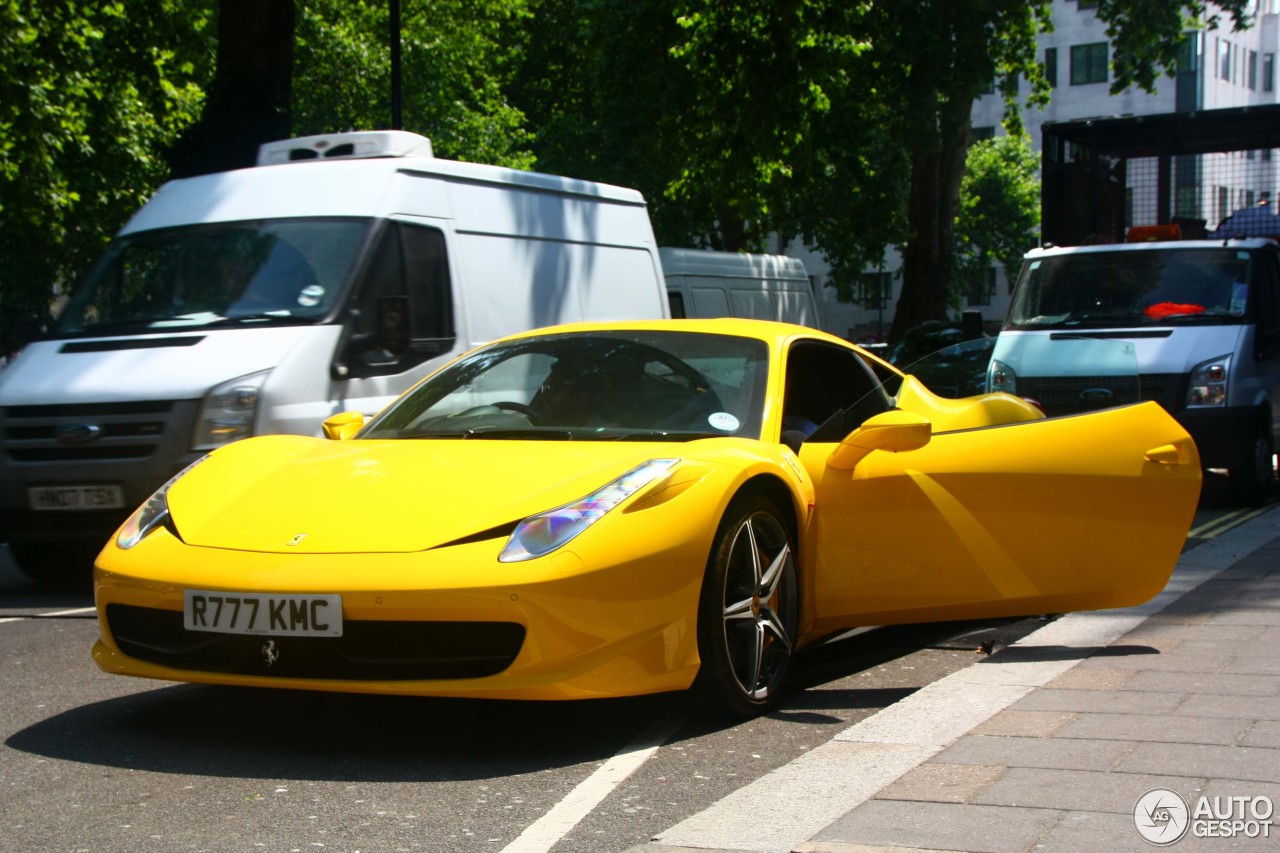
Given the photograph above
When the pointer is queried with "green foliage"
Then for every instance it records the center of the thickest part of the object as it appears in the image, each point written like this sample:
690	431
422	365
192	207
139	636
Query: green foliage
457	62
90	96
999	217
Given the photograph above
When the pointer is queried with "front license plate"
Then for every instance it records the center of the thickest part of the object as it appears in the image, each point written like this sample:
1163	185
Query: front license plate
75	497
265	614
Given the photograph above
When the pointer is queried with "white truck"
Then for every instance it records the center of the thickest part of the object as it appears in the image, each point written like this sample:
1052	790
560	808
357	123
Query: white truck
728	284
1192	324
330	277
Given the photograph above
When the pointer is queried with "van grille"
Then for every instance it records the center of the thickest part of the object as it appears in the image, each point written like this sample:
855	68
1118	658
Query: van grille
79	433
1070	395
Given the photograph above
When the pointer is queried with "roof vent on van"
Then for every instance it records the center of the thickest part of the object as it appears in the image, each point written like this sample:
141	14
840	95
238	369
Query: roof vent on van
345	146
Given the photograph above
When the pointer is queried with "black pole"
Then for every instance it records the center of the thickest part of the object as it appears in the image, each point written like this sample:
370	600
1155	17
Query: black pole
397	116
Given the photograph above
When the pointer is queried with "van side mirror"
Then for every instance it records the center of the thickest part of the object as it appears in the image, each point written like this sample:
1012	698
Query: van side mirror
894	431
343	425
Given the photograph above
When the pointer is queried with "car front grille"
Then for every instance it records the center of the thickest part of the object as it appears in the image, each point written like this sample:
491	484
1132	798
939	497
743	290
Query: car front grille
366	651
121	431
1069	395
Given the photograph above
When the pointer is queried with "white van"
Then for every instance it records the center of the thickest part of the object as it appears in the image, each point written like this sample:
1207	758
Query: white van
1194	325
705	284
330	277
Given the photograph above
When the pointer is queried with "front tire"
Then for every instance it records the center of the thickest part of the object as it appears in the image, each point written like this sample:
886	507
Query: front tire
1251	484
748	611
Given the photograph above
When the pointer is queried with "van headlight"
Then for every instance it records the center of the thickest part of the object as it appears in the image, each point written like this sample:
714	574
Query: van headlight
1000	377
229	411
1209	382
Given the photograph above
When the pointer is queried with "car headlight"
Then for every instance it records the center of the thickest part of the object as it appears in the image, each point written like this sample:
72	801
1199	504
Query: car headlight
545	532
229	411
1209	382
1000	377
152	514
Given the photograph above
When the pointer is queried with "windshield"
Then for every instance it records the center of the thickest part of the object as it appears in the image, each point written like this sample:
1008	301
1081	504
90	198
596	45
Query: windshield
1132	288
638	386
233	273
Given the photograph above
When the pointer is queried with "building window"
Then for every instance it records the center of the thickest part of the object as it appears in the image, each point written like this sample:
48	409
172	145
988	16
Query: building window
1224	203
1253	70
1224	59
1088	63
1051	65
1268	72
979	134
874	289
1088	4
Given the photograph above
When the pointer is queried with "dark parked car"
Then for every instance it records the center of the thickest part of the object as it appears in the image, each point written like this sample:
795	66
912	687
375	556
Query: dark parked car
940	356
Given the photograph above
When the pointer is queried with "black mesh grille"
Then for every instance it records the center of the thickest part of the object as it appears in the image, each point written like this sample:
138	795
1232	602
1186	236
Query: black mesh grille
1068	395
367	651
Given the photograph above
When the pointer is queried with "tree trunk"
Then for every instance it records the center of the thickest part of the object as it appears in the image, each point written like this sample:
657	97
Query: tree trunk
937	167
248	103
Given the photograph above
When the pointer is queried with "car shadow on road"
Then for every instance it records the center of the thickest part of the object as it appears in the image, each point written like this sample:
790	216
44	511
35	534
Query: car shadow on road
252	733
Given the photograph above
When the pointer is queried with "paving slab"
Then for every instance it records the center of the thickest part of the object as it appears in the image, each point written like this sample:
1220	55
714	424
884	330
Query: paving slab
1160	729
1077	790
943	826
1245	763
1063	753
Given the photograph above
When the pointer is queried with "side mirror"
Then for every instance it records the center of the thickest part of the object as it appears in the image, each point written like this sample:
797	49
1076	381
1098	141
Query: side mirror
343	425
893	431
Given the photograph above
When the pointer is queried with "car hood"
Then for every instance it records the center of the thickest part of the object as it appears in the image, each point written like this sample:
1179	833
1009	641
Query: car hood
296	494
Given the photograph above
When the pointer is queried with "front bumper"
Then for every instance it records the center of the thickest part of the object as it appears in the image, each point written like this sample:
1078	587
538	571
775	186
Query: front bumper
557	627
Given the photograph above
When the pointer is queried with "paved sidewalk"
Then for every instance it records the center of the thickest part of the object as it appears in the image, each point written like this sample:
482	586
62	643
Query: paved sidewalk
1049	744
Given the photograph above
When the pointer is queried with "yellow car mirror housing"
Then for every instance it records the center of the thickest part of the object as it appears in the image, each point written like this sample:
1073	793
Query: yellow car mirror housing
343	425
894	431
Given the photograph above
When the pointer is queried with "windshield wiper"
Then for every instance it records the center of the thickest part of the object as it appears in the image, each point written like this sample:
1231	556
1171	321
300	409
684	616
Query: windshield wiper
260	317
664	435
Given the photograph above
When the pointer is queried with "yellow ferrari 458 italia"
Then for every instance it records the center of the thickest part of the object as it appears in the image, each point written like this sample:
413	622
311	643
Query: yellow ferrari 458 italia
594	511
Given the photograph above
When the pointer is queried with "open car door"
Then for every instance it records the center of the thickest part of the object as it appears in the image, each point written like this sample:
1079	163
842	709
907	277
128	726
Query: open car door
928	513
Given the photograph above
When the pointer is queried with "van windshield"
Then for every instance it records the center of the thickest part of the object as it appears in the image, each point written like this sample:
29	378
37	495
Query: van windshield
227	274
1127	288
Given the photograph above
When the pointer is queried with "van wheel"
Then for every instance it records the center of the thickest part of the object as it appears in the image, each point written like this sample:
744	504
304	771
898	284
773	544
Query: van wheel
1251	484
748	611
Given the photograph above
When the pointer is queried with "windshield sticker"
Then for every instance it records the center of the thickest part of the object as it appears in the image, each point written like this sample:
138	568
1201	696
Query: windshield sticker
1239	296
1035	265
723	421
311	296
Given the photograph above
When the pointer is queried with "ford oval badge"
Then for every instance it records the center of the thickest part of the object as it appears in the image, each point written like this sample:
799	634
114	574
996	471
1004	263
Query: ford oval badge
78	433
1096	395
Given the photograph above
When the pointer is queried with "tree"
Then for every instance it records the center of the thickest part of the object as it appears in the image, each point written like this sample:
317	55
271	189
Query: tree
738	121
459	58
999	216
947	52
248	102
90	95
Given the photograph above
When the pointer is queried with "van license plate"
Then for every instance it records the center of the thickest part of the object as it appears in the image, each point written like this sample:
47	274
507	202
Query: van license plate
75	497
264	614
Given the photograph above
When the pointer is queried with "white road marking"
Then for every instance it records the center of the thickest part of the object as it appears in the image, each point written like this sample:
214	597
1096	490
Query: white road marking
546	831
74	612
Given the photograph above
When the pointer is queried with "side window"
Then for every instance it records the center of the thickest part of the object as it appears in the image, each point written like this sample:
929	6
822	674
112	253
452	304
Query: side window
829	393
405	301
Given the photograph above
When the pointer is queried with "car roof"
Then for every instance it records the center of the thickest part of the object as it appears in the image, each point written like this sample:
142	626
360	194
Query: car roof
769	331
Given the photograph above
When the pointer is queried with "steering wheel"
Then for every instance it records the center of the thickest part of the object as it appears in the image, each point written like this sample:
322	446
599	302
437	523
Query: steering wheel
520	408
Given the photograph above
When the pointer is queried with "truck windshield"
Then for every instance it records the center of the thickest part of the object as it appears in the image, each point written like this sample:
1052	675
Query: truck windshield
1127	288
234	273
